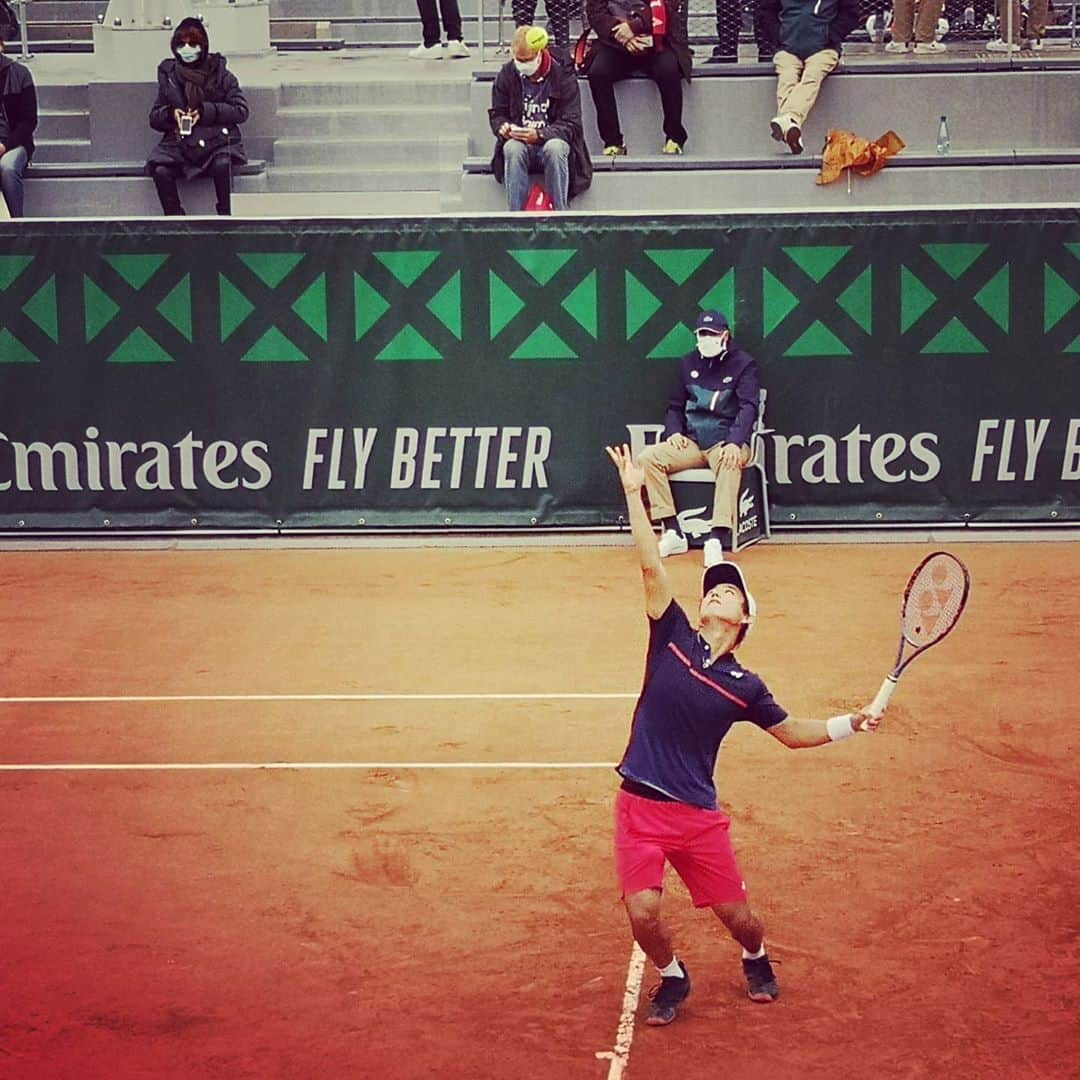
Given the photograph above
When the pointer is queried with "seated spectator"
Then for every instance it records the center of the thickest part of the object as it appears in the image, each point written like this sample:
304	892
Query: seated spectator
1037	17
18	119
805	37
536	118
199	107
639	37
559	14
431	48
920	30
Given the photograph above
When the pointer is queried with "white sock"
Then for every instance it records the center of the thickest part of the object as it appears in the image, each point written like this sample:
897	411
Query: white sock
673	970
755	955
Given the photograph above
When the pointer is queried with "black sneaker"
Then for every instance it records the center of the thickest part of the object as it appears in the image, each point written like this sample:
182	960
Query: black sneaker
760	980
667	997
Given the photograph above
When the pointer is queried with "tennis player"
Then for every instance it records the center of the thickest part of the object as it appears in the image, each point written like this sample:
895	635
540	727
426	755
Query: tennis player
666	810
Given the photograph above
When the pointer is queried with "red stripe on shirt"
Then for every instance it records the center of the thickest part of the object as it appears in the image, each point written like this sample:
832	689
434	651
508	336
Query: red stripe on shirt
702	678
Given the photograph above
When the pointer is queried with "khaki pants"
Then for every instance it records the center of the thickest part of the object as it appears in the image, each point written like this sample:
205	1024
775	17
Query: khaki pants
923	25
798	82
660	460
1038	12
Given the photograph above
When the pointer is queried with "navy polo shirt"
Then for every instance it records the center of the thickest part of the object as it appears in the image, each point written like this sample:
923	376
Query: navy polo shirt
688	703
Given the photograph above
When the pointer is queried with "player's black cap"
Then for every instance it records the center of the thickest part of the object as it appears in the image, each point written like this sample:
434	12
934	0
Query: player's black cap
728	573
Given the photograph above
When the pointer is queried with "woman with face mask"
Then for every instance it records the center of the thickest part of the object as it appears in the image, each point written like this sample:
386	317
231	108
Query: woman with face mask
198	109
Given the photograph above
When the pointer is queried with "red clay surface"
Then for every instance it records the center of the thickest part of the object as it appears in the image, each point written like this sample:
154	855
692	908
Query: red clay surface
919	886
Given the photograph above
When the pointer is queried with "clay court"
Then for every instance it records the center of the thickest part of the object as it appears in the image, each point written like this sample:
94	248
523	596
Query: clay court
372	834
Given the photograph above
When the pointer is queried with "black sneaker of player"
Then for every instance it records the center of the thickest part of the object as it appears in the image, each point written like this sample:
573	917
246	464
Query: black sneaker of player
667	997
722	55
760	980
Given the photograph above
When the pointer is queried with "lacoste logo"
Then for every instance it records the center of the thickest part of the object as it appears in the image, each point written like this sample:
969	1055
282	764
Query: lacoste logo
746	502
693	522
736	674
727	378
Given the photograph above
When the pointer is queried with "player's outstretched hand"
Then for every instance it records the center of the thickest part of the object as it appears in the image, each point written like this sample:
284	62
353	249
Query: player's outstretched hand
631	473
864	720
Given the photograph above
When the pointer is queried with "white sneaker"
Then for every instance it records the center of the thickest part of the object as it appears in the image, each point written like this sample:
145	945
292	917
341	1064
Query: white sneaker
671	543
930	47
1002	46
456	50
897	46
422	52
1035	44
714	552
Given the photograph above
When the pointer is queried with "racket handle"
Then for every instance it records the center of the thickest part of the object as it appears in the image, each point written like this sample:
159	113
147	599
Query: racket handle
880	703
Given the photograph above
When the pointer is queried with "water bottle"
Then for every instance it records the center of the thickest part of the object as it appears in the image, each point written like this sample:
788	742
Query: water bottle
943	137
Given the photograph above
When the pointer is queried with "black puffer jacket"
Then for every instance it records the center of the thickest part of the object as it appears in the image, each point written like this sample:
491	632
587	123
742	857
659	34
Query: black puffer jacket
223	104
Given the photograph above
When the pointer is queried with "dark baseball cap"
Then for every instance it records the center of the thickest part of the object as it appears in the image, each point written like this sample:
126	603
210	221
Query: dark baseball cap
714	322
728	573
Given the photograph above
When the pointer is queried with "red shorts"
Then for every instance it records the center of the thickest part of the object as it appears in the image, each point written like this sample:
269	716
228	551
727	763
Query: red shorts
695	841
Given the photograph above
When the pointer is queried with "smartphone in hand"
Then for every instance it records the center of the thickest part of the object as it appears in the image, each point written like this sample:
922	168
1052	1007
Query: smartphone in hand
187	123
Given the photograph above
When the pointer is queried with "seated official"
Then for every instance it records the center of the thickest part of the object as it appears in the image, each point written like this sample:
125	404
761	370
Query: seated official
199	107
18	119
536	119
639	36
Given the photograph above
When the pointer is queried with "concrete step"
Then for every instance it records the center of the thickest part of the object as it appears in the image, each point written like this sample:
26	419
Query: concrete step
63	124
129	197
358	120
406	153
348	204
49	150
754	191
413	88
729	116
297	178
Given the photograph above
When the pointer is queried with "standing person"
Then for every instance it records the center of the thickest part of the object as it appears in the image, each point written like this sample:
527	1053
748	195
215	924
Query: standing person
805	37
639	37
559	14
728	26
1037	16
709	420
666	808
431	48
197	95
18	120
921	29
536	118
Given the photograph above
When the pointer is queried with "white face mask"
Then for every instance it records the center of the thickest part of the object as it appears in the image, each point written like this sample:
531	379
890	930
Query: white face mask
528	68
711	345
189	53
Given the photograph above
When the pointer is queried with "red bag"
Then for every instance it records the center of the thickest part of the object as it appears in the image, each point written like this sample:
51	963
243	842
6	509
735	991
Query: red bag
539	201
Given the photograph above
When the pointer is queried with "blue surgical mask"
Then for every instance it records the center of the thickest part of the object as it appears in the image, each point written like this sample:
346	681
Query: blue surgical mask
189	53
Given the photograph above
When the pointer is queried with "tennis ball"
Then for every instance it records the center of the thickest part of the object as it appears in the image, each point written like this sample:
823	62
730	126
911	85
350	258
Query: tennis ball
537	38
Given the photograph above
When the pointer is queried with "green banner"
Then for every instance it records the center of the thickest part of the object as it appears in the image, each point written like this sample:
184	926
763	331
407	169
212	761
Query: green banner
469	372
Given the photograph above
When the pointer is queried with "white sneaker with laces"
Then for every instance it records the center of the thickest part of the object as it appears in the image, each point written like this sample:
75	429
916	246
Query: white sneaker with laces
930	47
423	52
671	543
897	46
456	50
714	552
1002	46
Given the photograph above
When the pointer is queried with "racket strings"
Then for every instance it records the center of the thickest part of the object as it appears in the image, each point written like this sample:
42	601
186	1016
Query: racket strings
935	598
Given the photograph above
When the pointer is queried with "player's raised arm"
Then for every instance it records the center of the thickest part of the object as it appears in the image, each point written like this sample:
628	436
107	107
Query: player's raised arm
799	733
657	590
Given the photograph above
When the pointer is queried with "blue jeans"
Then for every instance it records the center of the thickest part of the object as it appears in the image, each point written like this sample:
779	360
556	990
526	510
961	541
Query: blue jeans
12	167
551	157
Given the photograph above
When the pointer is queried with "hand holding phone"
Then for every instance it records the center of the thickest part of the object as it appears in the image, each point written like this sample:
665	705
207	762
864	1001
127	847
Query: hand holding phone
187	123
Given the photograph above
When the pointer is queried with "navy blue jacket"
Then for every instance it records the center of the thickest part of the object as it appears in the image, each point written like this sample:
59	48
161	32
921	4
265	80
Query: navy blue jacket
804	27
714	401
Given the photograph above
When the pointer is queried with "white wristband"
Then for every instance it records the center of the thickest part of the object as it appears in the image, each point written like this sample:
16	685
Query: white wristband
839	727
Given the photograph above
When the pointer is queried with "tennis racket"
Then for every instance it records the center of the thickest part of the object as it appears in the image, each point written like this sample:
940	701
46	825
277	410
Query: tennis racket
934	599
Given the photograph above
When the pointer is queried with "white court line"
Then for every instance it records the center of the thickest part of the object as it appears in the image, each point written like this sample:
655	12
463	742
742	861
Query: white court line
624	1035
150	699
195	766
